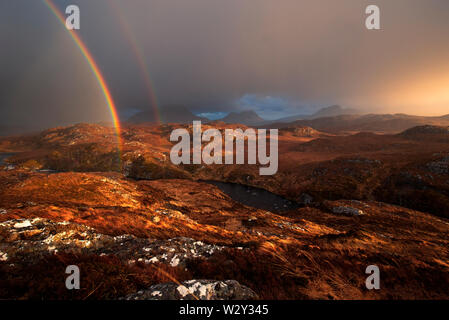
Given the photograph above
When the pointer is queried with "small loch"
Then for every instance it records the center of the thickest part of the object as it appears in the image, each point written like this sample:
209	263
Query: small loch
255	197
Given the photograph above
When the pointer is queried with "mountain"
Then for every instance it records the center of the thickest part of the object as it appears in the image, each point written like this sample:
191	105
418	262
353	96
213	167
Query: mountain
331	111
381	123
181	114
167	114
244	117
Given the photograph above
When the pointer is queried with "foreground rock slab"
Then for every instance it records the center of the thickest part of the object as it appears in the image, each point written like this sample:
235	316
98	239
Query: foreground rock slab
196	290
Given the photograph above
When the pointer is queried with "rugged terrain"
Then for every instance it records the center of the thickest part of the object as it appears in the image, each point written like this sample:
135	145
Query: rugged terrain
352	123
140	227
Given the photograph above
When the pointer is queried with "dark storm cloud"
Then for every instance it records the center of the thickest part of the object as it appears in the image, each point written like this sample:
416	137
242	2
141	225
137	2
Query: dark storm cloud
211	54
43	81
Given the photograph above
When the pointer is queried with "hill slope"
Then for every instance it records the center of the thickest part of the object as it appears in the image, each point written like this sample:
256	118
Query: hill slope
244	117
383	123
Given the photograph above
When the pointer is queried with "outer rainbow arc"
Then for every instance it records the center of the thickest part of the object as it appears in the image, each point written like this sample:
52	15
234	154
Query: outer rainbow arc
140	58
95	69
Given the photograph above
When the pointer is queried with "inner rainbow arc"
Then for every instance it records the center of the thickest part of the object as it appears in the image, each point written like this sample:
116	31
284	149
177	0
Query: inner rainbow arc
95	69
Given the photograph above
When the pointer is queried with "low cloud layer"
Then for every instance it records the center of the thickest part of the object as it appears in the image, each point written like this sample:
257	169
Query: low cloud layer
279	57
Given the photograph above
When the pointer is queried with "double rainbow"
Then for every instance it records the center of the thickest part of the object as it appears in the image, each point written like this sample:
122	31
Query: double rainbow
95	69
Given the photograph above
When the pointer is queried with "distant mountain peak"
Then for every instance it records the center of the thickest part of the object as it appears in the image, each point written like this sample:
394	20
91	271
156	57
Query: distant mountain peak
331	111
248	117
167	114
335	107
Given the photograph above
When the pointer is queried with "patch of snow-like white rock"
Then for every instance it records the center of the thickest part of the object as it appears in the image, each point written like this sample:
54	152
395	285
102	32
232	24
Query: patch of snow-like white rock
25	238
174	251
3	256
24	224
196	289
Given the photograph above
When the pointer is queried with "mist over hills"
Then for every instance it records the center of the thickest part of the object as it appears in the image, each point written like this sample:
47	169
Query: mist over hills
244	117
330	119
12	130
331	111
381	123
182	114
252	118
168	114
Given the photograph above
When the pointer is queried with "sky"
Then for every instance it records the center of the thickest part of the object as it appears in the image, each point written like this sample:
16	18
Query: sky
278	58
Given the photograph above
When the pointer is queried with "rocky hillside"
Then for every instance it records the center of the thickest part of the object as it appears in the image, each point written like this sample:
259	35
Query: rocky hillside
351	123
129	237
139	227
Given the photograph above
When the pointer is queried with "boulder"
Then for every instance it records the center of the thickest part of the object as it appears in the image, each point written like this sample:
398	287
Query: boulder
196	289
348	211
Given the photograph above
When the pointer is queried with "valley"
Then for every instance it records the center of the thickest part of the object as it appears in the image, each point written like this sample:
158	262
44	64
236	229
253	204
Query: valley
137	224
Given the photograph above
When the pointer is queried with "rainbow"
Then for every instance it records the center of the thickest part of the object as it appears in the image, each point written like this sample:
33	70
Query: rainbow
95	69
137	51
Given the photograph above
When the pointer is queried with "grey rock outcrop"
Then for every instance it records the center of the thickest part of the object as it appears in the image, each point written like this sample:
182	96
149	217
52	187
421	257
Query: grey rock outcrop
196	289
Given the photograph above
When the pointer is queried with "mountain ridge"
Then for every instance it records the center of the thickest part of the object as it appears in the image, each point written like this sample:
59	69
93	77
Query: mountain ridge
244	117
